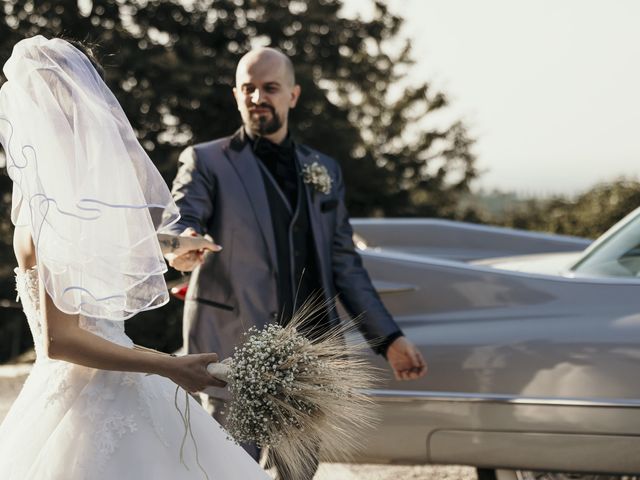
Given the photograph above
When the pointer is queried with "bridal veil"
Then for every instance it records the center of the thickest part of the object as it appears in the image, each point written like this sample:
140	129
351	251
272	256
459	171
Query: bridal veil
82	183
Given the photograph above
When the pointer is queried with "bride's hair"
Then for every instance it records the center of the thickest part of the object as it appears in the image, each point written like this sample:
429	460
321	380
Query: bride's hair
89	51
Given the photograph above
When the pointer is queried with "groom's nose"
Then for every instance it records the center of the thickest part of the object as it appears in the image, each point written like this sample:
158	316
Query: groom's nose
257	96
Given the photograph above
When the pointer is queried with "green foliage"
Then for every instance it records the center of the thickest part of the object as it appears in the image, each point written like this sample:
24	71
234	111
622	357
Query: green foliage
15	337
588	215
171	65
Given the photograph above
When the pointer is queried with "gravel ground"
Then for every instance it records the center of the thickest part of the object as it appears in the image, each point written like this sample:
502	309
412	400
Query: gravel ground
12	377
345	471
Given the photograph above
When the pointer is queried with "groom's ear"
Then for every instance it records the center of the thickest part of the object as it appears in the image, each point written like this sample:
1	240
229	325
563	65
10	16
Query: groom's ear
295	95
234	91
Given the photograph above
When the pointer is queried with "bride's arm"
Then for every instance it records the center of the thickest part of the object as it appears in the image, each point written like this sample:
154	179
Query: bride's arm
65	340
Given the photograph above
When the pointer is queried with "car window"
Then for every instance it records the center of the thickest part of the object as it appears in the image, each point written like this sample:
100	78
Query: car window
618	255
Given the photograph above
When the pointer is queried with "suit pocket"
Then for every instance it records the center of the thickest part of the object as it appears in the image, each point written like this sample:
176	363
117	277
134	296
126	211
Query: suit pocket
328	205
211	303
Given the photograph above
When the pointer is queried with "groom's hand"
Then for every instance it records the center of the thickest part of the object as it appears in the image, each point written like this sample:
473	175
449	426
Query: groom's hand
406	360
187	261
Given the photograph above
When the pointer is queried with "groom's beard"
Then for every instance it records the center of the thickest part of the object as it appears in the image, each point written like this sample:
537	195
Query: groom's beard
261	126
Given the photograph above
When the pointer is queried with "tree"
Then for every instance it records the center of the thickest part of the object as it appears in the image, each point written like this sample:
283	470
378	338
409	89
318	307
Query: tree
589	215
171	64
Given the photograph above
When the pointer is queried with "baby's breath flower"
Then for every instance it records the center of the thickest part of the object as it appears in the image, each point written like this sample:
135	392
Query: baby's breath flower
317	175
294	395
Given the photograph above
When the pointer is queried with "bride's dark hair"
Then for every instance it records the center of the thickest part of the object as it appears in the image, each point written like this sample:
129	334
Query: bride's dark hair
89	50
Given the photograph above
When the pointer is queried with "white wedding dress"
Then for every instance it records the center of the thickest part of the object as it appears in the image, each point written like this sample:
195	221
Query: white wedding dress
71	422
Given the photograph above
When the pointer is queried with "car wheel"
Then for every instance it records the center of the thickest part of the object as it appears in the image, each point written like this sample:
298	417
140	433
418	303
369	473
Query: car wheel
485	474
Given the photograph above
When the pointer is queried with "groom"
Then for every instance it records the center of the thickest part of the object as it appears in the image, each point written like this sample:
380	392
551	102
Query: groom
278	209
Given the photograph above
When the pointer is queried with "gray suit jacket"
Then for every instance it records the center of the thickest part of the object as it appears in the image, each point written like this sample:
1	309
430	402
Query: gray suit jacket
219	190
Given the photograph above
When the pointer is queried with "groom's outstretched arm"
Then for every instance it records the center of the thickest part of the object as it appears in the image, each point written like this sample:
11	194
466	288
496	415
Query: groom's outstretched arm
194	190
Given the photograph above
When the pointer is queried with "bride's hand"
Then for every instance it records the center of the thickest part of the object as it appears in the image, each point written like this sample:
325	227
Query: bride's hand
190	372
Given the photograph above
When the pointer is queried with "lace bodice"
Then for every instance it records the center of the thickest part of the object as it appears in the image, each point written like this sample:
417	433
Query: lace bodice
27	285
94	394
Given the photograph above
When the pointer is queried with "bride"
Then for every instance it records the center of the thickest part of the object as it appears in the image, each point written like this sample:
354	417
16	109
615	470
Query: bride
87	205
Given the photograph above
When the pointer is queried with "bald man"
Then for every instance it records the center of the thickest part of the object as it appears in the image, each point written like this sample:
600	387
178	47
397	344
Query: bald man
285	238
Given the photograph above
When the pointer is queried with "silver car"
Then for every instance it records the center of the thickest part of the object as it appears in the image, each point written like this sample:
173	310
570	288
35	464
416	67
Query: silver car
533	358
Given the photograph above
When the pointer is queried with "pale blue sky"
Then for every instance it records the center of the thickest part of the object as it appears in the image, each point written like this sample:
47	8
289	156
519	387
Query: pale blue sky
551	88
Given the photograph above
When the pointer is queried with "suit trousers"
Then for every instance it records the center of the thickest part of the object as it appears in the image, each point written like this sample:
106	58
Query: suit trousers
217	408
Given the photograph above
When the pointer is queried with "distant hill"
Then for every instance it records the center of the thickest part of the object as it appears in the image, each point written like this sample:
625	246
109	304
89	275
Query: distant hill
494	203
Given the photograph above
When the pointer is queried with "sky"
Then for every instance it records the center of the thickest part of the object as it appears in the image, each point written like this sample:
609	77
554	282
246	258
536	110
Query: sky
549	88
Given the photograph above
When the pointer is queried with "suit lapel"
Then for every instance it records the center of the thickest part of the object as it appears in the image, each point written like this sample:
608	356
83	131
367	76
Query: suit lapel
246	166
305	157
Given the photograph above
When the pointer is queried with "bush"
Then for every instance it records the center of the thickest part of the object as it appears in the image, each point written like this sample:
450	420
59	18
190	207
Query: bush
588	215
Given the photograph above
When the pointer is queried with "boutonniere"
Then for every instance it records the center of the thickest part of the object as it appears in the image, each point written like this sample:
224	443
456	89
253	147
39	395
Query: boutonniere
318	176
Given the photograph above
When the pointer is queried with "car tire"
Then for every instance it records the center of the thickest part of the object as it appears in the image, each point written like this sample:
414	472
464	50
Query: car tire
486	474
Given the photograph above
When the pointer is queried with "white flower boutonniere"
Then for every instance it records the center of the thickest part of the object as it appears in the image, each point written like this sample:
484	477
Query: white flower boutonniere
318	176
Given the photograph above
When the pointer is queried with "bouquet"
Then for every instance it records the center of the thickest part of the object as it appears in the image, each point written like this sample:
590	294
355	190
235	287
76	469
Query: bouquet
298	396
